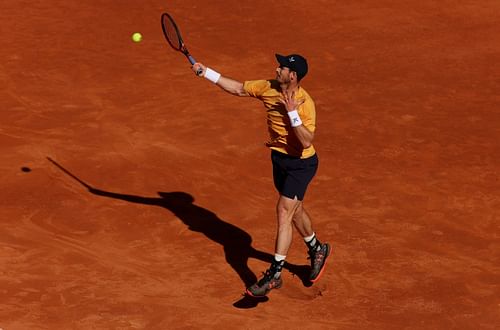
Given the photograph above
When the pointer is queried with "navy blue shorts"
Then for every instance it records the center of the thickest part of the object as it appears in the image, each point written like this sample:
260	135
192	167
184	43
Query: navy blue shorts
292	175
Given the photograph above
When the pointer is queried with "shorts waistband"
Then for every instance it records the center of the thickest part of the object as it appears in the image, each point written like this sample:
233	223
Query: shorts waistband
287	156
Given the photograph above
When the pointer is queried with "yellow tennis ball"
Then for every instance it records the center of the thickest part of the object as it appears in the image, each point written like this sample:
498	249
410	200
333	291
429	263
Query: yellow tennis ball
137	37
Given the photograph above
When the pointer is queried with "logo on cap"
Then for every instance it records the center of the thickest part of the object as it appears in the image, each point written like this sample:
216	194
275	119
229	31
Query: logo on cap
291	59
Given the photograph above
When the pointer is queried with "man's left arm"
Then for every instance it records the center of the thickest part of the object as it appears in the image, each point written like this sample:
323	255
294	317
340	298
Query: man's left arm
299	125
304	135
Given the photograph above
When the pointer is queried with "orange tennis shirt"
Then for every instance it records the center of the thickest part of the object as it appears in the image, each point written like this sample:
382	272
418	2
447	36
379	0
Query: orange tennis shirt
282	137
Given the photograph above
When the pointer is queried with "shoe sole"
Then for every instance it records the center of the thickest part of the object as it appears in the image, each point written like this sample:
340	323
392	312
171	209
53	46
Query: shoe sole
324	265
258	296
248	293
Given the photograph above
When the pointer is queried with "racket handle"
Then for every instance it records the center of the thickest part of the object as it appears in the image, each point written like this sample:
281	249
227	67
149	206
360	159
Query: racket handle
193	61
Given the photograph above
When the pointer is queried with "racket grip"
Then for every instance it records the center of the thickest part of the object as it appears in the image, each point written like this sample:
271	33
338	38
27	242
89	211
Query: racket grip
193	61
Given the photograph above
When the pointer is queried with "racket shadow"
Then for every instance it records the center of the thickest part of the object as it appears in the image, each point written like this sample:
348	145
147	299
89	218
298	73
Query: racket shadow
236	243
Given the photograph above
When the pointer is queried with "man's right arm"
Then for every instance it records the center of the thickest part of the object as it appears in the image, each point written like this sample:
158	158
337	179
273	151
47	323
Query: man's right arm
227	84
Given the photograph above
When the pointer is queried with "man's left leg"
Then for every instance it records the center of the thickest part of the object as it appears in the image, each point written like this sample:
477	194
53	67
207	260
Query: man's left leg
318	252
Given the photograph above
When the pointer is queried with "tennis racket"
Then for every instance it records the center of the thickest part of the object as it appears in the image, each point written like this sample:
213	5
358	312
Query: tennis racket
174	38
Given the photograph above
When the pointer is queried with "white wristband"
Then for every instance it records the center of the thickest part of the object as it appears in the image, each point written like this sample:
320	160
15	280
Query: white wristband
212	75
294	118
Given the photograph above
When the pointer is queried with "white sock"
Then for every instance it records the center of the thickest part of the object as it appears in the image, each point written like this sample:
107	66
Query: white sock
279	261
279	257
311	241
308	238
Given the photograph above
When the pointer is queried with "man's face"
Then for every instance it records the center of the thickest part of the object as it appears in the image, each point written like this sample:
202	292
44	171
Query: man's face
283	74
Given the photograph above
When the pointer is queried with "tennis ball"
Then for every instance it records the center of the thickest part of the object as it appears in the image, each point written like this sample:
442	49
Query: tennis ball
137	37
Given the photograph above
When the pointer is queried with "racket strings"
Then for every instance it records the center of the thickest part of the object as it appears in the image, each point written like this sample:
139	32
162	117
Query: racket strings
171	33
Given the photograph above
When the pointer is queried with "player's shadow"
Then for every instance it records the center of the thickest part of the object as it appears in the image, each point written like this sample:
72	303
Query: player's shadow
237	243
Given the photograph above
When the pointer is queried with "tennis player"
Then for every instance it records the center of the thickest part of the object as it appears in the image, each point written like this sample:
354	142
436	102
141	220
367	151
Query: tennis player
291	118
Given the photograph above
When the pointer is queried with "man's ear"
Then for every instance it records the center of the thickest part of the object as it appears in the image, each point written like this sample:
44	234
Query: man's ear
293	75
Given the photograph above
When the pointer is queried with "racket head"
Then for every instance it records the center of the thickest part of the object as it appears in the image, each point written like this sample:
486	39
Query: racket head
171	32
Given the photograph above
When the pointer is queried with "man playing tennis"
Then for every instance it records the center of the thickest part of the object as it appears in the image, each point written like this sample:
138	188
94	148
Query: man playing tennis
291	118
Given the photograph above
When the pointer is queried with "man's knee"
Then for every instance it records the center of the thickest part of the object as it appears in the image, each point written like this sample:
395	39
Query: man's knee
299	209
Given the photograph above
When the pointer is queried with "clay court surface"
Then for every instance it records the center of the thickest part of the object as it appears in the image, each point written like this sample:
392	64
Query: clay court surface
135	195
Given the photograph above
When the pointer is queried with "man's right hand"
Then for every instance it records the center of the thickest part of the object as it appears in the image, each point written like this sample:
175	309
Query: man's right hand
196	68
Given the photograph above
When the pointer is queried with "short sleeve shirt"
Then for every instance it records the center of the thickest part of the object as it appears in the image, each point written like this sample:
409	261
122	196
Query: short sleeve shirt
282	137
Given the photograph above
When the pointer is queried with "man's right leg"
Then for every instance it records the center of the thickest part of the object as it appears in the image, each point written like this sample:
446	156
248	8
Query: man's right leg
285	210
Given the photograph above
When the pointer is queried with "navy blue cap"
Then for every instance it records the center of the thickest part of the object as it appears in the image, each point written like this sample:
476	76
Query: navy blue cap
295	63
